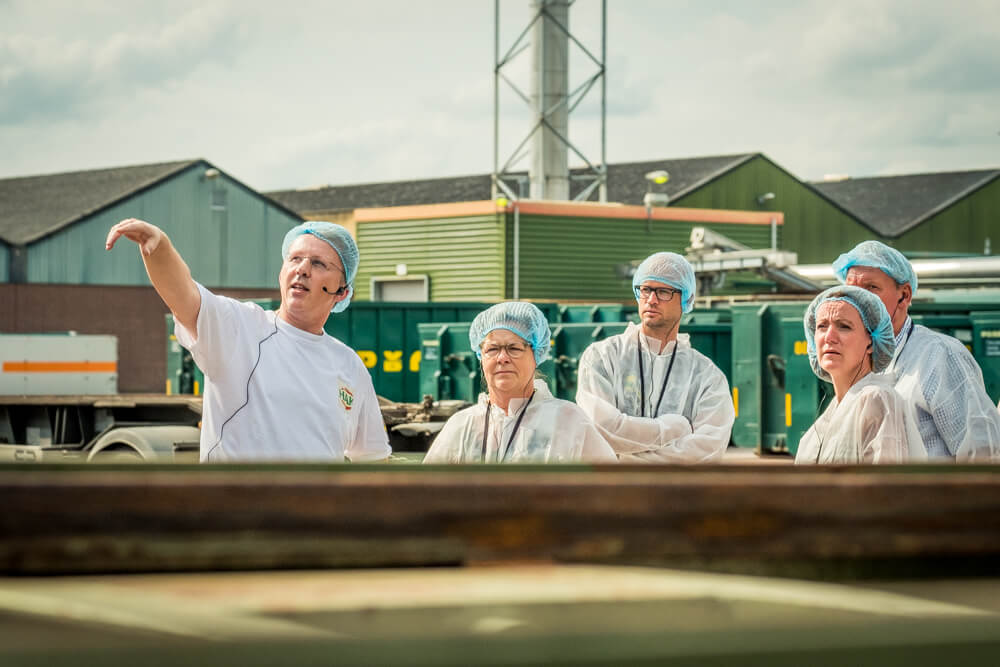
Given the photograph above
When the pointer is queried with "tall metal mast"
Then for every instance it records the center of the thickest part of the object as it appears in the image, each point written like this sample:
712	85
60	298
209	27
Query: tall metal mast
551	103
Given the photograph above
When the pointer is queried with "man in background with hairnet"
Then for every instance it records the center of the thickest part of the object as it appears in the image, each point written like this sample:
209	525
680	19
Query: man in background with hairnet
277	387
653	396
936	375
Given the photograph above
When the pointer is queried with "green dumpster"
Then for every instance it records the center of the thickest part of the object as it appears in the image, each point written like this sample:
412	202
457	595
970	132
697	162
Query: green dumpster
762	344
384	334
569	342
986	348
597	312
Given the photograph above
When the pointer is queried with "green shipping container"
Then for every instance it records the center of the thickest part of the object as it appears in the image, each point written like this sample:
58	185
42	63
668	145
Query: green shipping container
384	334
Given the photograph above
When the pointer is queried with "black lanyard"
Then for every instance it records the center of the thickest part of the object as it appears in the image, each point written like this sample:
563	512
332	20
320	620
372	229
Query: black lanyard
517	425
642	379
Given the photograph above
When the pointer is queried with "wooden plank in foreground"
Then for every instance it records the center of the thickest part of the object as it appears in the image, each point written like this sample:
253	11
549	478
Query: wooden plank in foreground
761	519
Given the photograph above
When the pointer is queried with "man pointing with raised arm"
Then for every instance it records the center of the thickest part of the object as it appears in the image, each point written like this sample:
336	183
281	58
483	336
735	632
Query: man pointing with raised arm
277	386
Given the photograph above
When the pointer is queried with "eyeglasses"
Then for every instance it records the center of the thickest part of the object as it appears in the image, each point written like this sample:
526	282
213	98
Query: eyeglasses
514	351
662	293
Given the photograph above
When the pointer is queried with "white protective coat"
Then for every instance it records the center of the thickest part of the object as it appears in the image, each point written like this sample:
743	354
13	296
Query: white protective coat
696	416
941	381
552	431
871	425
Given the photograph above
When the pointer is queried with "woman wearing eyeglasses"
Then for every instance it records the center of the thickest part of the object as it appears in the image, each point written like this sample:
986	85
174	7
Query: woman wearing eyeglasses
850	342
517	419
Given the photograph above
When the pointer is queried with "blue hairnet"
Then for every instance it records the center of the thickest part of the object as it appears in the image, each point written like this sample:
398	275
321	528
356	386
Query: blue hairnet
671	269
874	317
340	240
878	256
524	319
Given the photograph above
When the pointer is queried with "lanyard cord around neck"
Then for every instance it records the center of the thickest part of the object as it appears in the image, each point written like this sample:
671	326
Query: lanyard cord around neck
899	350
486	429
642	378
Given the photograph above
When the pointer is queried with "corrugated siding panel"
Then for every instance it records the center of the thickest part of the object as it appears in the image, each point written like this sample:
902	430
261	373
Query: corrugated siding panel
814	228
962	228
462	256
574	258
182	207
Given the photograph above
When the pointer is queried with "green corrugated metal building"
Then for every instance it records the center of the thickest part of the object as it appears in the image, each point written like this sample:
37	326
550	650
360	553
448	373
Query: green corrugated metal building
941	213
565	251
54	226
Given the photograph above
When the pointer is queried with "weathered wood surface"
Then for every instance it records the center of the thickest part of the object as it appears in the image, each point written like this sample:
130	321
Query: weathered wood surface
752	519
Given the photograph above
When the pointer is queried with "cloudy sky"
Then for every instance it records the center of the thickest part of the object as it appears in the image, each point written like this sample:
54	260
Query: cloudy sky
300	93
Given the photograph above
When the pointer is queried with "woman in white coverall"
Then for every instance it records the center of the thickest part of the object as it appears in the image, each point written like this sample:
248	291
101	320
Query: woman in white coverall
850	341
518	419
652	396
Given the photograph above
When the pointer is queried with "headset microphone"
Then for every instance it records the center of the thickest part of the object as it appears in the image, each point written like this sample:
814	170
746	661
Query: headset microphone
337	293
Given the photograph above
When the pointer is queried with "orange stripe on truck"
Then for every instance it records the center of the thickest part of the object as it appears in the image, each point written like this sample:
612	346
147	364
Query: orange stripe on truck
60	367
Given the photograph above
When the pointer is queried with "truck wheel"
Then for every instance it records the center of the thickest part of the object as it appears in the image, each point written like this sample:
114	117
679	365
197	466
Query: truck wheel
120	453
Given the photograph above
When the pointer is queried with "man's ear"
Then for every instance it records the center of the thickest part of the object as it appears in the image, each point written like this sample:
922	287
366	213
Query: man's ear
907	295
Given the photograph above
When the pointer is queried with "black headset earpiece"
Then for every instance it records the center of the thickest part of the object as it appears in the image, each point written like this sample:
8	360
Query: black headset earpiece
340	291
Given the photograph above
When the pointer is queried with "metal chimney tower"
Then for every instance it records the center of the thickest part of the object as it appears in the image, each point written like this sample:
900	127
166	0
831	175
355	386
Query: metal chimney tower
551	103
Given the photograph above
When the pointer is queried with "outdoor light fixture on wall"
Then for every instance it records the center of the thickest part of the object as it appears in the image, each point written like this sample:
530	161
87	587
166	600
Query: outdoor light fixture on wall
651	199
764	198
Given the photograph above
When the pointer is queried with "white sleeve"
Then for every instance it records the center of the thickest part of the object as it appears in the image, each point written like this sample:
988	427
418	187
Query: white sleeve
595	449
626	434
882	430
224	327
710	428
370	441
447	446
573	425
963	413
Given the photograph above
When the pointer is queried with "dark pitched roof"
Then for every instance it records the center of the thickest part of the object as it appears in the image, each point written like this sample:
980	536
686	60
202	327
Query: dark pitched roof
893	205
626	184
35	206
378	195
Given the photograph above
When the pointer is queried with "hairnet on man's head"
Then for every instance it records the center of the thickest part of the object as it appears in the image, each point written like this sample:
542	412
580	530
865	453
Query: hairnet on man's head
523	319
671	269
340	240
874	317
877	255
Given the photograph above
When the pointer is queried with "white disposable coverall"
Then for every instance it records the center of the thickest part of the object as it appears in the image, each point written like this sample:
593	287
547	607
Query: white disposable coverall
871	425
943	384
695	418
552	431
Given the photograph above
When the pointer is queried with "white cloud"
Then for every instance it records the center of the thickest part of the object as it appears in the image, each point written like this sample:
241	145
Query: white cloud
310	92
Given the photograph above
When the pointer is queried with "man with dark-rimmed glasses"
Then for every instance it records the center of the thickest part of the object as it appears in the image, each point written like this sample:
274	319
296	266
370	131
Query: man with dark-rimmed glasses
653	396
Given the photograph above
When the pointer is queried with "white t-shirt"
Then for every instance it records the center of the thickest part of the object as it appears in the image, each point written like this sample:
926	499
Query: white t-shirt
275	392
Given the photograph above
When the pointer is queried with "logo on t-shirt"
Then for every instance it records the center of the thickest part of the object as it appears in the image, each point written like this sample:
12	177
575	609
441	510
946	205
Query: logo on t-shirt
346	397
